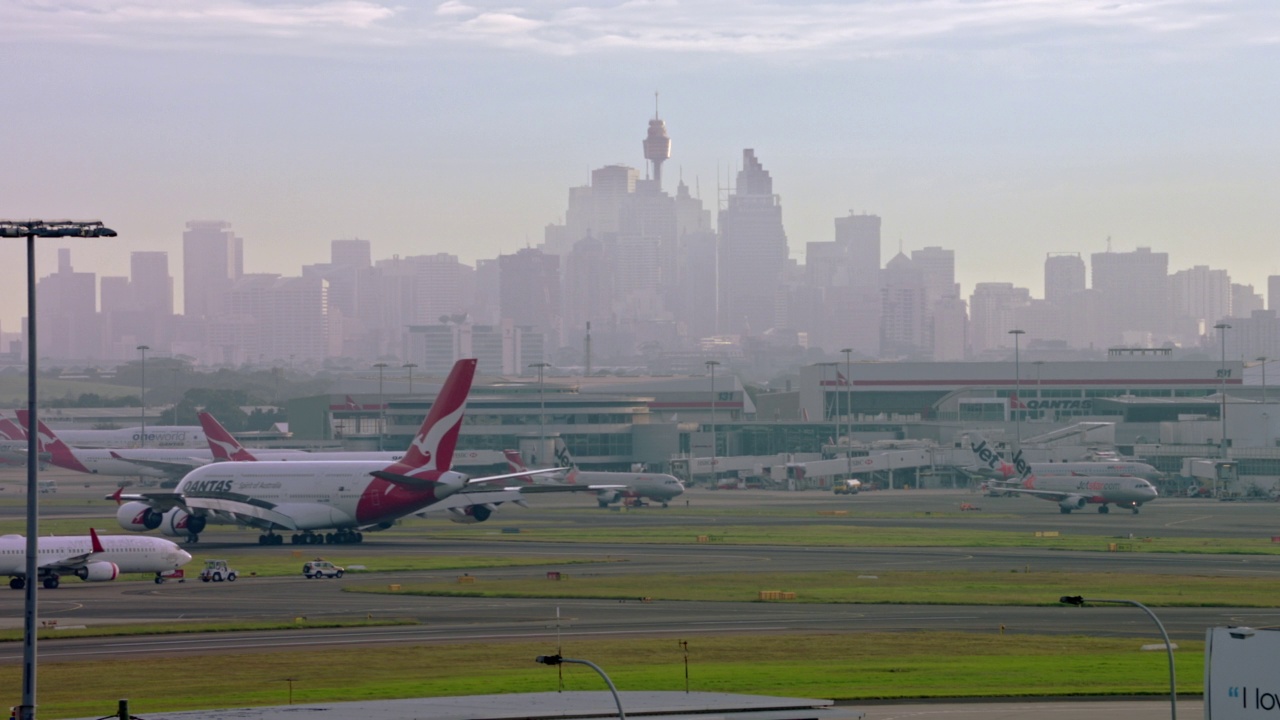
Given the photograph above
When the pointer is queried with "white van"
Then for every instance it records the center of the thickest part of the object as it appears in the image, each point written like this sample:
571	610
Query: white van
321	569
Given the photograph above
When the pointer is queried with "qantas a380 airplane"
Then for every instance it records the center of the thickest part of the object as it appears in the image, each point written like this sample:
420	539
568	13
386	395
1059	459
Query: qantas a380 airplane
89	557
306	496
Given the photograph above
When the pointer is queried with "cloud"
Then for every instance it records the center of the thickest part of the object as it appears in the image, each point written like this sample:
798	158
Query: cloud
746	27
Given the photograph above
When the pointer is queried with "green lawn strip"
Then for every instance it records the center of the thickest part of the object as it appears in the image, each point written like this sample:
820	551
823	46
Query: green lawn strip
840	533
861	666
276	562
916	588
123	630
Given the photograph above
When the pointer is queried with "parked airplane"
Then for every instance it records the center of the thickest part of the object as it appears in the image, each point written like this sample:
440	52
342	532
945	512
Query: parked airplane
633	487
225	447
990	463
163	463
1090	483
305	496
89	557
158	436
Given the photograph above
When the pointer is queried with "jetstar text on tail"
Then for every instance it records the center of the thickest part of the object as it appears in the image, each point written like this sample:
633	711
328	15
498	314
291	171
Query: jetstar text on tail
1019	466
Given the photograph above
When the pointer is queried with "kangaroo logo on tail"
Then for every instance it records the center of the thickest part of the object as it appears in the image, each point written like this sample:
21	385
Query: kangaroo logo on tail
59	453
432	448
223	444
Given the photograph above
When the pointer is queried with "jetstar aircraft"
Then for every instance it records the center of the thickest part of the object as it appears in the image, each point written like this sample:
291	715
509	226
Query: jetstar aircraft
89	557
306	496
633	487
1099	483
1074	492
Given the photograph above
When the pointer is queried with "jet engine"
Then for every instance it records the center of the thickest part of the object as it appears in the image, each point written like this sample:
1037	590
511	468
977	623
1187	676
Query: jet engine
138	517
1073	502
472	513
98	572
180	523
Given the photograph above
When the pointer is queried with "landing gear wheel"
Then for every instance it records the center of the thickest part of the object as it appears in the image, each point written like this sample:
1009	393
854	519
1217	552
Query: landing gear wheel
1135	511
1104	509
1064	511
51	582
192	538
17	583
159	579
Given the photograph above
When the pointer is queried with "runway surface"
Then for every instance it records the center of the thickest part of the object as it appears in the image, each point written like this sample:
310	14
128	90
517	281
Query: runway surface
470	619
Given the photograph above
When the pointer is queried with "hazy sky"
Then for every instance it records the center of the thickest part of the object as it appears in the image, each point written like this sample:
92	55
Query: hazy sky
1003	129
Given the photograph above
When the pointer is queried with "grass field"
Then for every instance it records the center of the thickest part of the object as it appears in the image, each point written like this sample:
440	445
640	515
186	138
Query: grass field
837	666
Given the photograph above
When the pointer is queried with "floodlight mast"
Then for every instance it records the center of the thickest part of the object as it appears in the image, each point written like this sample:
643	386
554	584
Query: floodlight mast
32	229
1080	600
559	660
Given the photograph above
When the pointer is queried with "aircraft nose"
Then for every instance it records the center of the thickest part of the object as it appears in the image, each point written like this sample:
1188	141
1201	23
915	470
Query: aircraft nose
182	557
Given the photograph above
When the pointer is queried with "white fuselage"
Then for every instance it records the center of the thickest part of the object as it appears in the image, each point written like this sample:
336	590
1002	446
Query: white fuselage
313	495
131	553
655	486
1097	489
159	436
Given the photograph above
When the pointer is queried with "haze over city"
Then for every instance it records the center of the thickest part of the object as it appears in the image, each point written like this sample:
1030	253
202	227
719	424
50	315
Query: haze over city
1001	130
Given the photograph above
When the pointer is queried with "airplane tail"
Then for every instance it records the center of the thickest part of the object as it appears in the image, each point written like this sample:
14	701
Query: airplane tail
432	448
563	458
351	404
223	444
59	453
515	461
9	430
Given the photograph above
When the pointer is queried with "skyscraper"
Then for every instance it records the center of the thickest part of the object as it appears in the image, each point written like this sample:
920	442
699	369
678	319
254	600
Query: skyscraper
1134	288
212	258
1063	275
753	252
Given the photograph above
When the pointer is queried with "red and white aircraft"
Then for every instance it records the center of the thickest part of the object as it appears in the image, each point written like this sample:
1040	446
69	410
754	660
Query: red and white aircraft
89	557
306	496
226	448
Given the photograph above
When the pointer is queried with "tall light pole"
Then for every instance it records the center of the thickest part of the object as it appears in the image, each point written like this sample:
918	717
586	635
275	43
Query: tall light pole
31	229
848	410
410	367
711	367
1263	360
143	395
542	409
1222	329
382	405
1079	601
1017	390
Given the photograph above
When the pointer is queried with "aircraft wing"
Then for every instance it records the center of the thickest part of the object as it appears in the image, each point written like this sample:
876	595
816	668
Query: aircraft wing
176	467
160	501
1047	494
549	488
477	496
242	509
512	476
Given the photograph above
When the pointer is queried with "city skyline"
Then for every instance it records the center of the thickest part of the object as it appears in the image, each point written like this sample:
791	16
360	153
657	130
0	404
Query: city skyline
458	128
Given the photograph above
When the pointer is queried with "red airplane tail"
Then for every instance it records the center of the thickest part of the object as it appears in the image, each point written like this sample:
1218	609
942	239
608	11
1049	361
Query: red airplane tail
432	448
515	462
223	444
9	430
59	453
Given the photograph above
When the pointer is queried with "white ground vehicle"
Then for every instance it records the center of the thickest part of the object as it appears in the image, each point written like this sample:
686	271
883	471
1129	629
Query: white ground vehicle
217	571
321	569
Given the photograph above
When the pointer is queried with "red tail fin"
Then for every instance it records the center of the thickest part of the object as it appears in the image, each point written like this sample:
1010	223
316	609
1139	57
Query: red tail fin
9	430
93	538
515	462
432	448
223	444
59	454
